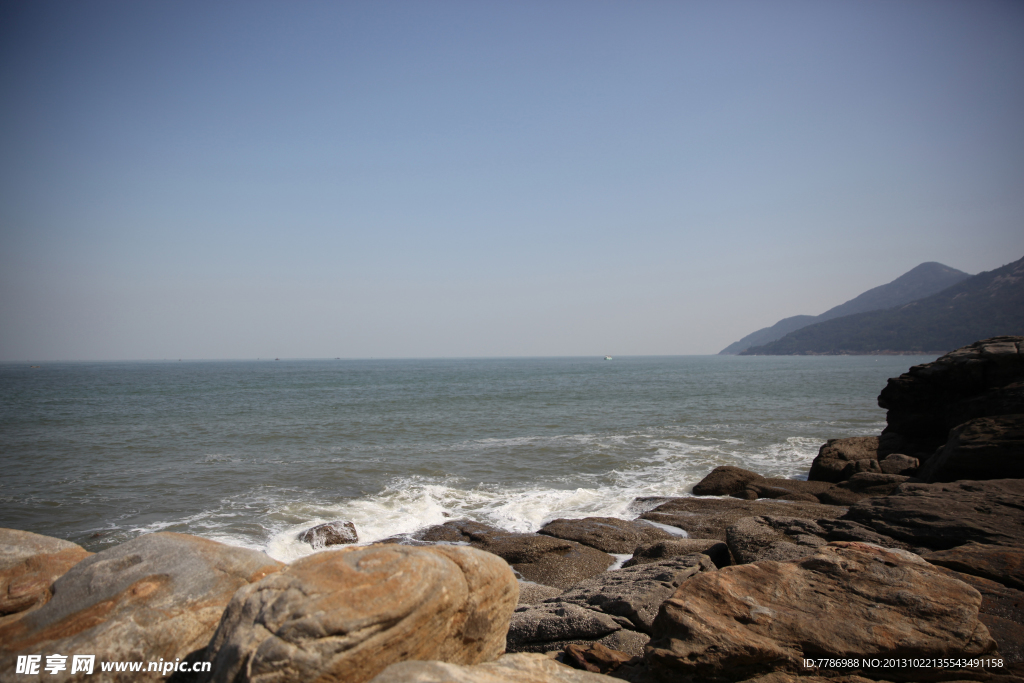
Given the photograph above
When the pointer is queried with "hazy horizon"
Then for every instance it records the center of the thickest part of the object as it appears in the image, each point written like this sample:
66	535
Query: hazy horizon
397	179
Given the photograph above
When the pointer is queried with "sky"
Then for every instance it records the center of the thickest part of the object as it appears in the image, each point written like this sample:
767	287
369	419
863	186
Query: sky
209	180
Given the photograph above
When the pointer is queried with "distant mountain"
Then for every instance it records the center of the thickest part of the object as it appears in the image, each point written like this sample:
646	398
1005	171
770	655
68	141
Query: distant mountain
985	305
917	283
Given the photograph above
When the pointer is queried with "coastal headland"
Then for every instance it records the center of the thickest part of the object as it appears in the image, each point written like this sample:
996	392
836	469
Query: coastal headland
899	558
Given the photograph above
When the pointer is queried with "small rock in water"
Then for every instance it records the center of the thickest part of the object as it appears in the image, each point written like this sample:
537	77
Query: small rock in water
331	533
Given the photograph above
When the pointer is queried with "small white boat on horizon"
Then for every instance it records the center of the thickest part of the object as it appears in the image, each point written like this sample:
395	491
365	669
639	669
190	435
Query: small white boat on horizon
607	357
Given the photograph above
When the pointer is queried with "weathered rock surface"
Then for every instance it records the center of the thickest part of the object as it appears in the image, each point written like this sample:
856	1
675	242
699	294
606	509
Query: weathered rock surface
753	619
596	658
605	533
552	625
941	516
542	559
1001	610
984	448
717	551
873	483
752	539
348	614
158	595
531	593
898	463
926	402
839	459
637	592
331	533
29	564
1003	564
512	668
710	517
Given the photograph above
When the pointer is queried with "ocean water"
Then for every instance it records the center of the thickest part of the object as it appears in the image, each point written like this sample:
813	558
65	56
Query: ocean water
250	453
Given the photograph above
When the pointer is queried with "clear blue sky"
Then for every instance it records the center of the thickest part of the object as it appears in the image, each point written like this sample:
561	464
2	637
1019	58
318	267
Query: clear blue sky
396	179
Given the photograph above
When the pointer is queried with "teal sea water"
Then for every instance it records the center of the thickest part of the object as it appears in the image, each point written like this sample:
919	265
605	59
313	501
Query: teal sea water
252	452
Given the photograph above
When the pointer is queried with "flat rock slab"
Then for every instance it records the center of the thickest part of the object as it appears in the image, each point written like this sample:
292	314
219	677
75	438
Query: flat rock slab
605	533
1002	612
158	595
29	564
531	593
847	600
542	559
348	614
513	668
549	626
636	592
1003	564
942	516
710	517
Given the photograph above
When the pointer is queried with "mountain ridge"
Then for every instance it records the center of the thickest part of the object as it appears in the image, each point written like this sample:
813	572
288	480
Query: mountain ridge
920	281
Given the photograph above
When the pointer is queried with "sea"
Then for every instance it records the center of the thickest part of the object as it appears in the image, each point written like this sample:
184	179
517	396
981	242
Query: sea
253	452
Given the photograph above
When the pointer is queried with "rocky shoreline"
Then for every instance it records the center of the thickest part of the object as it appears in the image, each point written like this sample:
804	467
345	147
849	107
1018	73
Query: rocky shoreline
900	558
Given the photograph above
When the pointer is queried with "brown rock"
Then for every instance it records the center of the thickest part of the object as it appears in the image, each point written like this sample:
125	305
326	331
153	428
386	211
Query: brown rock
1004	564
331	533
787	489
29	564
542	559
346	615
514	668
725	480
847	600
531	593
985	448
873	483
596	658
1002	611
717	551
158	595
553	625
898	463
710	517
941	516
752	539
605	533
837	459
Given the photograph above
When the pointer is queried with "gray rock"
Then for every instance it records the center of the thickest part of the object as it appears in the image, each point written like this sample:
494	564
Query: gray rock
512	668
716	550
531	593
538	627
636	592
605	533
873	483
331	533
157	596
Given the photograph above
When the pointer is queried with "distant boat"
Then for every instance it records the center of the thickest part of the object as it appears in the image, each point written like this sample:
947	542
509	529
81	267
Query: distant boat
607	357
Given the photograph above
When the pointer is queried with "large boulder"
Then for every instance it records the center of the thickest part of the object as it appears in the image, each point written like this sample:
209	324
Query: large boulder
846	600
605	533
725	480
157	596
710	517
512	668
542	559
553	625
839	459
29	564
941	516
984	448
348	614
927	401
